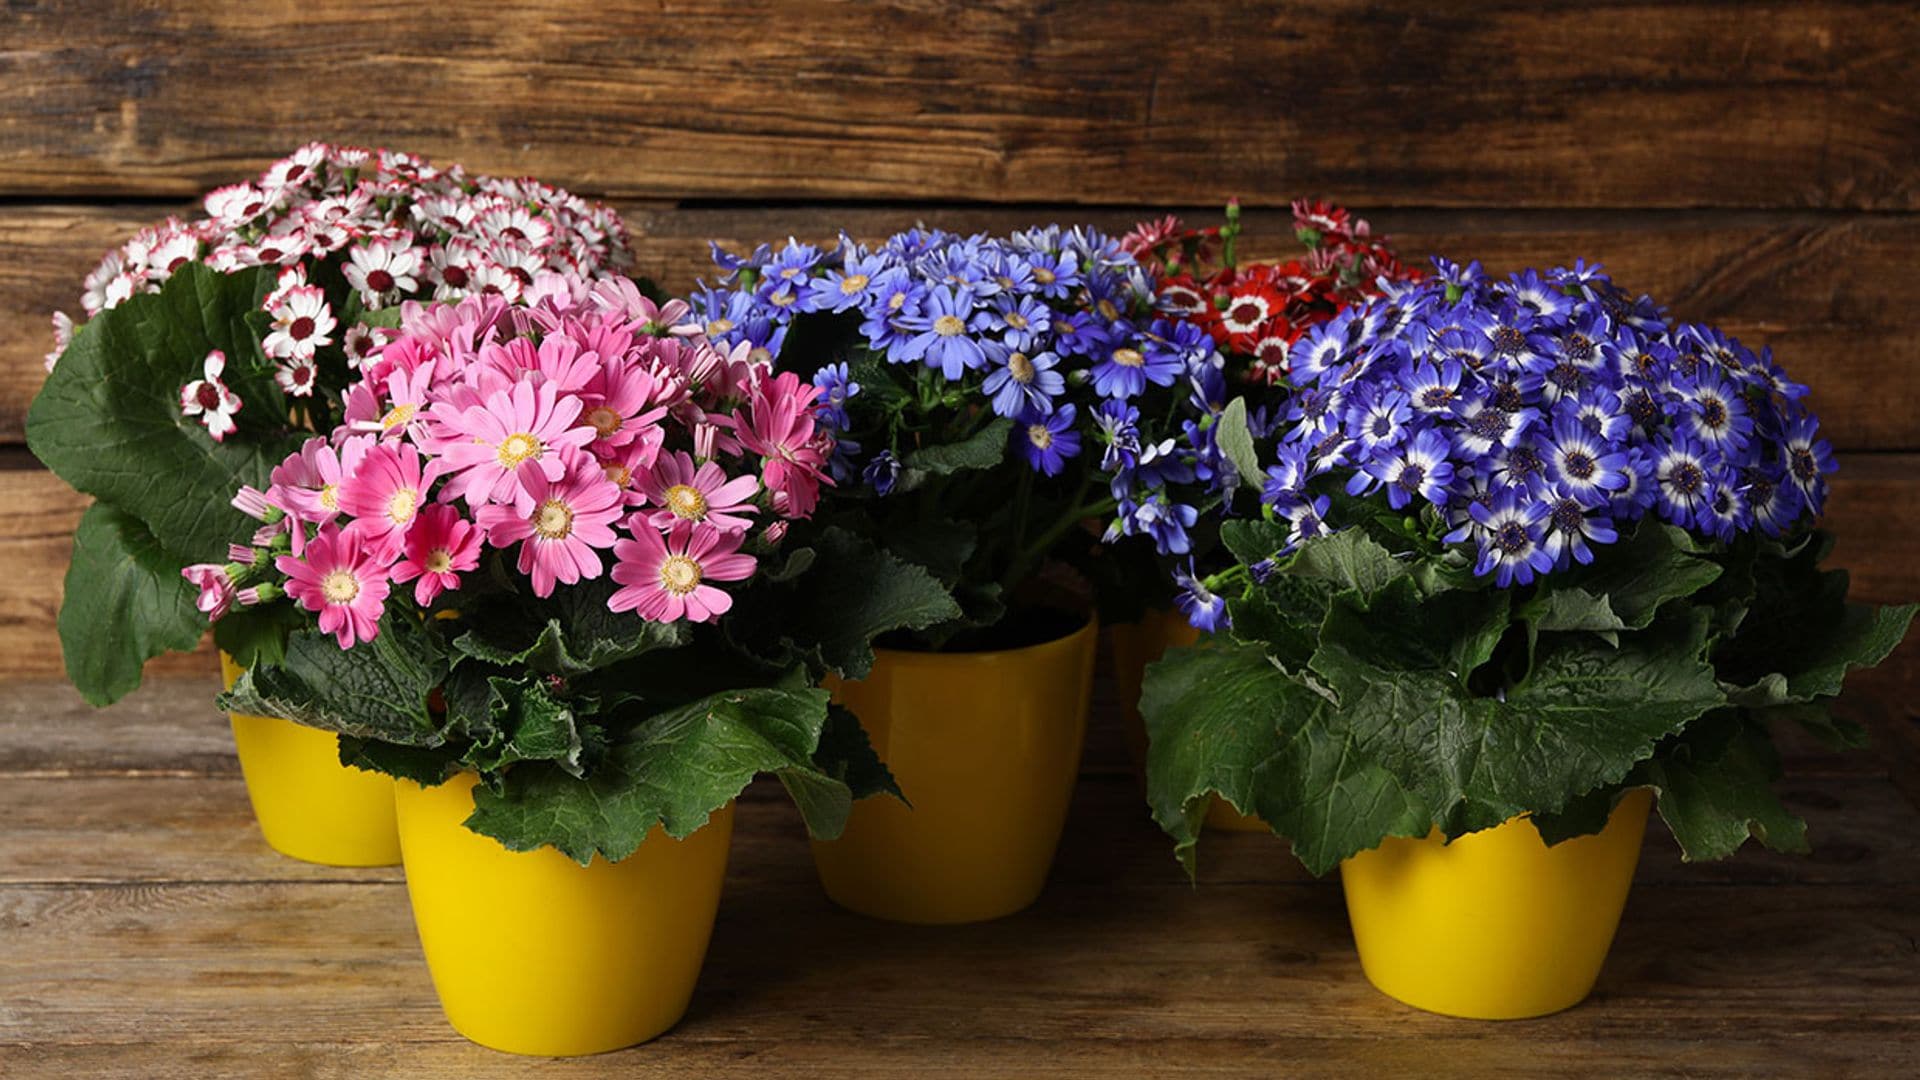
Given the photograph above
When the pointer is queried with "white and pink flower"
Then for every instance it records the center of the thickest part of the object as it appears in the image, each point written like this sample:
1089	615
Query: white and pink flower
210	400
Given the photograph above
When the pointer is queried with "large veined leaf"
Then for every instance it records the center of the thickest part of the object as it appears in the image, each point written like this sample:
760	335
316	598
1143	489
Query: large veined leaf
982	450
1714	787
1236	442
108	420
125	604
1801	637
830	615
379	689
1634	577
672	770
580	633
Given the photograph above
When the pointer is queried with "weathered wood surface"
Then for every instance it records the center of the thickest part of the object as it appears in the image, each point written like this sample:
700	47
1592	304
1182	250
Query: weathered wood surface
146	931
1835	296
1409	103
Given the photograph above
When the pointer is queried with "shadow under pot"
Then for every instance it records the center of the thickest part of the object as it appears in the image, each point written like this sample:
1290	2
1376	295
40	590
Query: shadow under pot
986	747
1133	646
1495	925
309	806
532	953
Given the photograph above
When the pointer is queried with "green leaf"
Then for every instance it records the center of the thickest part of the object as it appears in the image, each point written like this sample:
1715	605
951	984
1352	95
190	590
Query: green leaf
672	770
1714	786
1349	559
982	450
108	419
846	755
1253	539
532	725
1236	442
1563	608
579	632
257	636
125	604
429	768
1657	563
378	689
831	614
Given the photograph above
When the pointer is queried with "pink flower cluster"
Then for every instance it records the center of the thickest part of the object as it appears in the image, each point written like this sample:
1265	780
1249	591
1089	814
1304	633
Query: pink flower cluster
585	426
393	226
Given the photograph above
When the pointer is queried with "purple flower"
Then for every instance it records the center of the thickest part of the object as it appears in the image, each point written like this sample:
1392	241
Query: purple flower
1204	609
1022	386
943	340
1049	441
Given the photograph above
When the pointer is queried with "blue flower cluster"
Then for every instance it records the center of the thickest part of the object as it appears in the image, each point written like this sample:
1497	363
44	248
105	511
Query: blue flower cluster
1541	413
1031	321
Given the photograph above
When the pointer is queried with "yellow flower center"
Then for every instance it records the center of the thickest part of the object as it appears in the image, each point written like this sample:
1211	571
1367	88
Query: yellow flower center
686	502
619	474
852	283
330	496
518	448
439	561
1040	436
398	415
1107	310
1016	320
1129	358
553	520
896	301
339	587
605	420
1021	368
1043	275
401	506
679	575
718	327
949	325
782	299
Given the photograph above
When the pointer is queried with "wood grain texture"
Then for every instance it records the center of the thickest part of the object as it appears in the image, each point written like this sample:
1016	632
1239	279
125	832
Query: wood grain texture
146	931
1874	512
1834	296
1505	103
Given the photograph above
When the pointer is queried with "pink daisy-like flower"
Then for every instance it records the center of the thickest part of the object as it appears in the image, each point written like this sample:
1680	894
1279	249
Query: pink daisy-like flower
779	428
564	522
686	493
629	464
496	450
440	547
216	588
664	578
382	268
302	322
209	399
385	495
617	404
307	483
343	581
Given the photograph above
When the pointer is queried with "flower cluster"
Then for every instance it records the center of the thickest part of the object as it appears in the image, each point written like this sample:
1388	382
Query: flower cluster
1259	310
586	424
1027	321
352	230
1539	414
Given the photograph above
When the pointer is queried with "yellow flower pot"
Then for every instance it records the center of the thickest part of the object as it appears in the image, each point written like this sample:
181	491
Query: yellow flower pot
1134	646
1496	925
310	806
532	953
986	746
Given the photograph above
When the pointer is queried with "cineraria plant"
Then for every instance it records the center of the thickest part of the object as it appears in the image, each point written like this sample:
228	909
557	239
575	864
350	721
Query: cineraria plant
213	345
518	553
1254	312
982	390
1524	545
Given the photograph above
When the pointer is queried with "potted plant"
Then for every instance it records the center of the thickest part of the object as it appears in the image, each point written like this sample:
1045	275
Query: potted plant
211	347
1531	558
1254	312
987	393
571	602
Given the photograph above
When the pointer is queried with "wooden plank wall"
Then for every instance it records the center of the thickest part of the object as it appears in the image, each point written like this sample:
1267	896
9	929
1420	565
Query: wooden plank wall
1754	164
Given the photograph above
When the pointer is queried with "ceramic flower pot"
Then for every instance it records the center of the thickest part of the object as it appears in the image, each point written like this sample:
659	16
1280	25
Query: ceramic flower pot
310	806
532	953
1496	925
1134	646
986	747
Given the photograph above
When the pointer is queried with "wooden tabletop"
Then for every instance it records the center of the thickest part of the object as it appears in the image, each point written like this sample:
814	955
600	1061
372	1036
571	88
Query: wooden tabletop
146	930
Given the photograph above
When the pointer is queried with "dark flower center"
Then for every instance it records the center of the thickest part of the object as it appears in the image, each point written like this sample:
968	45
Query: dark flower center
1244	313
208	397
1488	424
1805	467
1643	409
1436	397
1382	426
1507	398
379	281
302	328
1508	340
1512	538
1568	516
455	276
1686	478
1411	477
1577	465
1713	412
